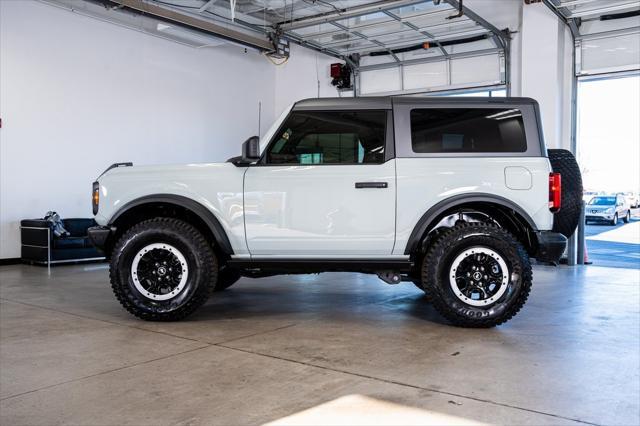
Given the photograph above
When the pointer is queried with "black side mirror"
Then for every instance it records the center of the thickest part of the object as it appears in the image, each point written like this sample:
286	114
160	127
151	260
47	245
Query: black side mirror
251	150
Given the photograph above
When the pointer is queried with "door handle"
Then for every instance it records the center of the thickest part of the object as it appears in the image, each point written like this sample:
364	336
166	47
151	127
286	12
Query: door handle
360	185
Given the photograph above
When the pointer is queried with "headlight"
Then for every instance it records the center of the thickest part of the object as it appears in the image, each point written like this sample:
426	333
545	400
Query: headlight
609	210
95	197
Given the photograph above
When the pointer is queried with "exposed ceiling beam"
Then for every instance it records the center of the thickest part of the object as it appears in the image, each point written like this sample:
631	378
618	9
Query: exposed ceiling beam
415	28
362	36
501	37
362	26
350	12
207	5
225	32
314	46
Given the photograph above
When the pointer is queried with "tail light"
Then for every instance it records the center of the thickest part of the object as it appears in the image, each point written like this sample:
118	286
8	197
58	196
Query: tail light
555	192
95	197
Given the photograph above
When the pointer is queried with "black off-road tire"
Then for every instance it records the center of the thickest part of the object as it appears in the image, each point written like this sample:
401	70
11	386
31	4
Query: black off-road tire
226	278
439	259
566	220
200	258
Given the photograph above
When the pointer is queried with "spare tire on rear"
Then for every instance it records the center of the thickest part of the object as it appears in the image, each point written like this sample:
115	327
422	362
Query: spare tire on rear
566	220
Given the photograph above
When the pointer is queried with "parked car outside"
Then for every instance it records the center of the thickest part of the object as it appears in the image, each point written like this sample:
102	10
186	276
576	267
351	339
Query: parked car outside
608	209
631	198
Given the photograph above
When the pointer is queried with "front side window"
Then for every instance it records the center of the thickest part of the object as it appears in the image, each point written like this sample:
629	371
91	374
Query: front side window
330	137
467	130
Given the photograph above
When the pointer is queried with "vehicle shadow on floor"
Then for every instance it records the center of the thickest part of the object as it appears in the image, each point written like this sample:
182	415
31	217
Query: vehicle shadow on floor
247	303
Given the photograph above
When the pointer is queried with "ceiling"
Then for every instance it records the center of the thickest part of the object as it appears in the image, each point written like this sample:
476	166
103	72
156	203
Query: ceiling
349	29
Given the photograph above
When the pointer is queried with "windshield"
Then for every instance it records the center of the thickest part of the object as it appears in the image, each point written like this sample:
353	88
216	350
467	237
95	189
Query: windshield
602	201
264	140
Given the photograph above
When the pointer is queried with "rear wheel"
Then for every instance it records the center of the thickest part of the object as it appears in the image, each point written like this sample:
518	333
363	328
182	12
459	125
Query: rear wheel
477	275
162	269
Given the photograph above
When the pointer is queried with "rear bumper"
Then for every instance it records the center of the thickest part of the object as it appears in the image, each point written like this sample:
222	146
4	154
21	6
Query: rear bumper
551	246
99	235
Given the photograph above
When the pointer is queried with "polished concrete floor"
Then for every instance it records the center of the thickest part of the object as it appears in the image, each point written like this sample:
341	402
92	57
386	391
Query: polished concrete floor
270	348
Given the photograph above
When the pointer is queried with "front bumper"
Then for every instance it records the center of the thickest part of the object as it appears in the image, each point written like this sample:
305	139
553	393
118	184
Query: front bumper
598	217
551	246
99	235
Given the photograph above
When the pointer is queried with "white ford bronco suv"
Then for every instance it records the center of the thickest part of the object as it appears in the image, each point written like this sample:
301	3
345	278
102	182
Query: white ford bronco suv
453	194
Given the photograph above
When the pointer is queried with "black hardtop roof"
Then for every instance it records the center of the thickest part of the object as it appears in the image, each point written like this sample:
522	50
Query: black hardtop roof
386	102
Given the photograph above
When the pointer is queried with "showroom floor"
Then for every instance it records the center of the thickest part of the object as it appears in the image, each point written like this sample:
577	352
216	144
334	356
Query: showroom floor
270	348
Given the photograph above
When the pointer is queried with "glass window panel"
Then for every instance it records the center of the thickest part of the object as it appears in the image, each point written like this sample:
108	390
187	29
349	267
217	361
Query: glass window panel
423	8
315	29
330	137
463	130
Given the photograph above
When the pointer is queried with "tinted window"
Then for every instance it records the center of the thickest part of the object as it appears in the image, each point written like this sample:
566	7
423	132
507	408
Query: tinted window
330	137
457	130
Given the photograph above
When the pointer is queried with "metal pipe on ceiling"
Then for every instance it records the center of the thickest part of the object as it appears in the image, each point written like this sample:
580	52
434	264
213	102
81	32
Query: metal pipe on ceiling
258	42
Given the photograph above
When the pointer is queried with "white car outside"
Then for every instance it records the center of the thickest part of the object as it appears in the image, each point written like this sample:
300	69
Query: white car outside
609	209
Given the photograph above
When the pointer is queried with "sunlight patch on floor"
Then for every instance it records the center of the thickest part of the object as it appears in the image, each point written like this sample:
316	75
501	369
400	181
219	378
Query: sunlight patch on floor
629	234
362	410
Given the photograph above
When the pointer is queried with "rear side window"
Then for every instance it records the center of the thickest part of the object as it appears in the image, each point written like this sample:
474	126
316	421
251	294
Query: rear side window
330	137
467	130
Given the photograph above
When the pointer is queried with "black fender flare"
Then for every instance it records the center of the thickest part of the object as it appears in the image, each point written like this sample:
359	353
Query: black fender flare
436	210
195	207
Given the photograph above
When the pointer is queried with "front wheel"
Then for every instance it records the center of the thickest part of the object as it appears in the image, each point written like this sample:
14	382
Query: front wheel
478	275
627	218
163	269
614	221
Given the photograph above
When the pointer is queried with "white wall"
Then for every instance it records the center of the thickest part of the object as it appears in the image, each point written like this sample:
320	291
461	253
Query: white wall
305	75
543	71
77	94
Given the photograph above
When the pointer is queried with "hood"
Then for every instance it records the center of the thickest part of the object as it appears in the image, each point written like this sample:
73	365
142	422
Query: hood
599	207
118	169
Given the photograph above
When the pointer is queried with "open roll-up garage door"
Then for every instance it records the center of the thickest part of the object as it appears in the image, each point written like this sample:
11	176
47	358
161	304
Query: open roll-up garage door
616	51
606	34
